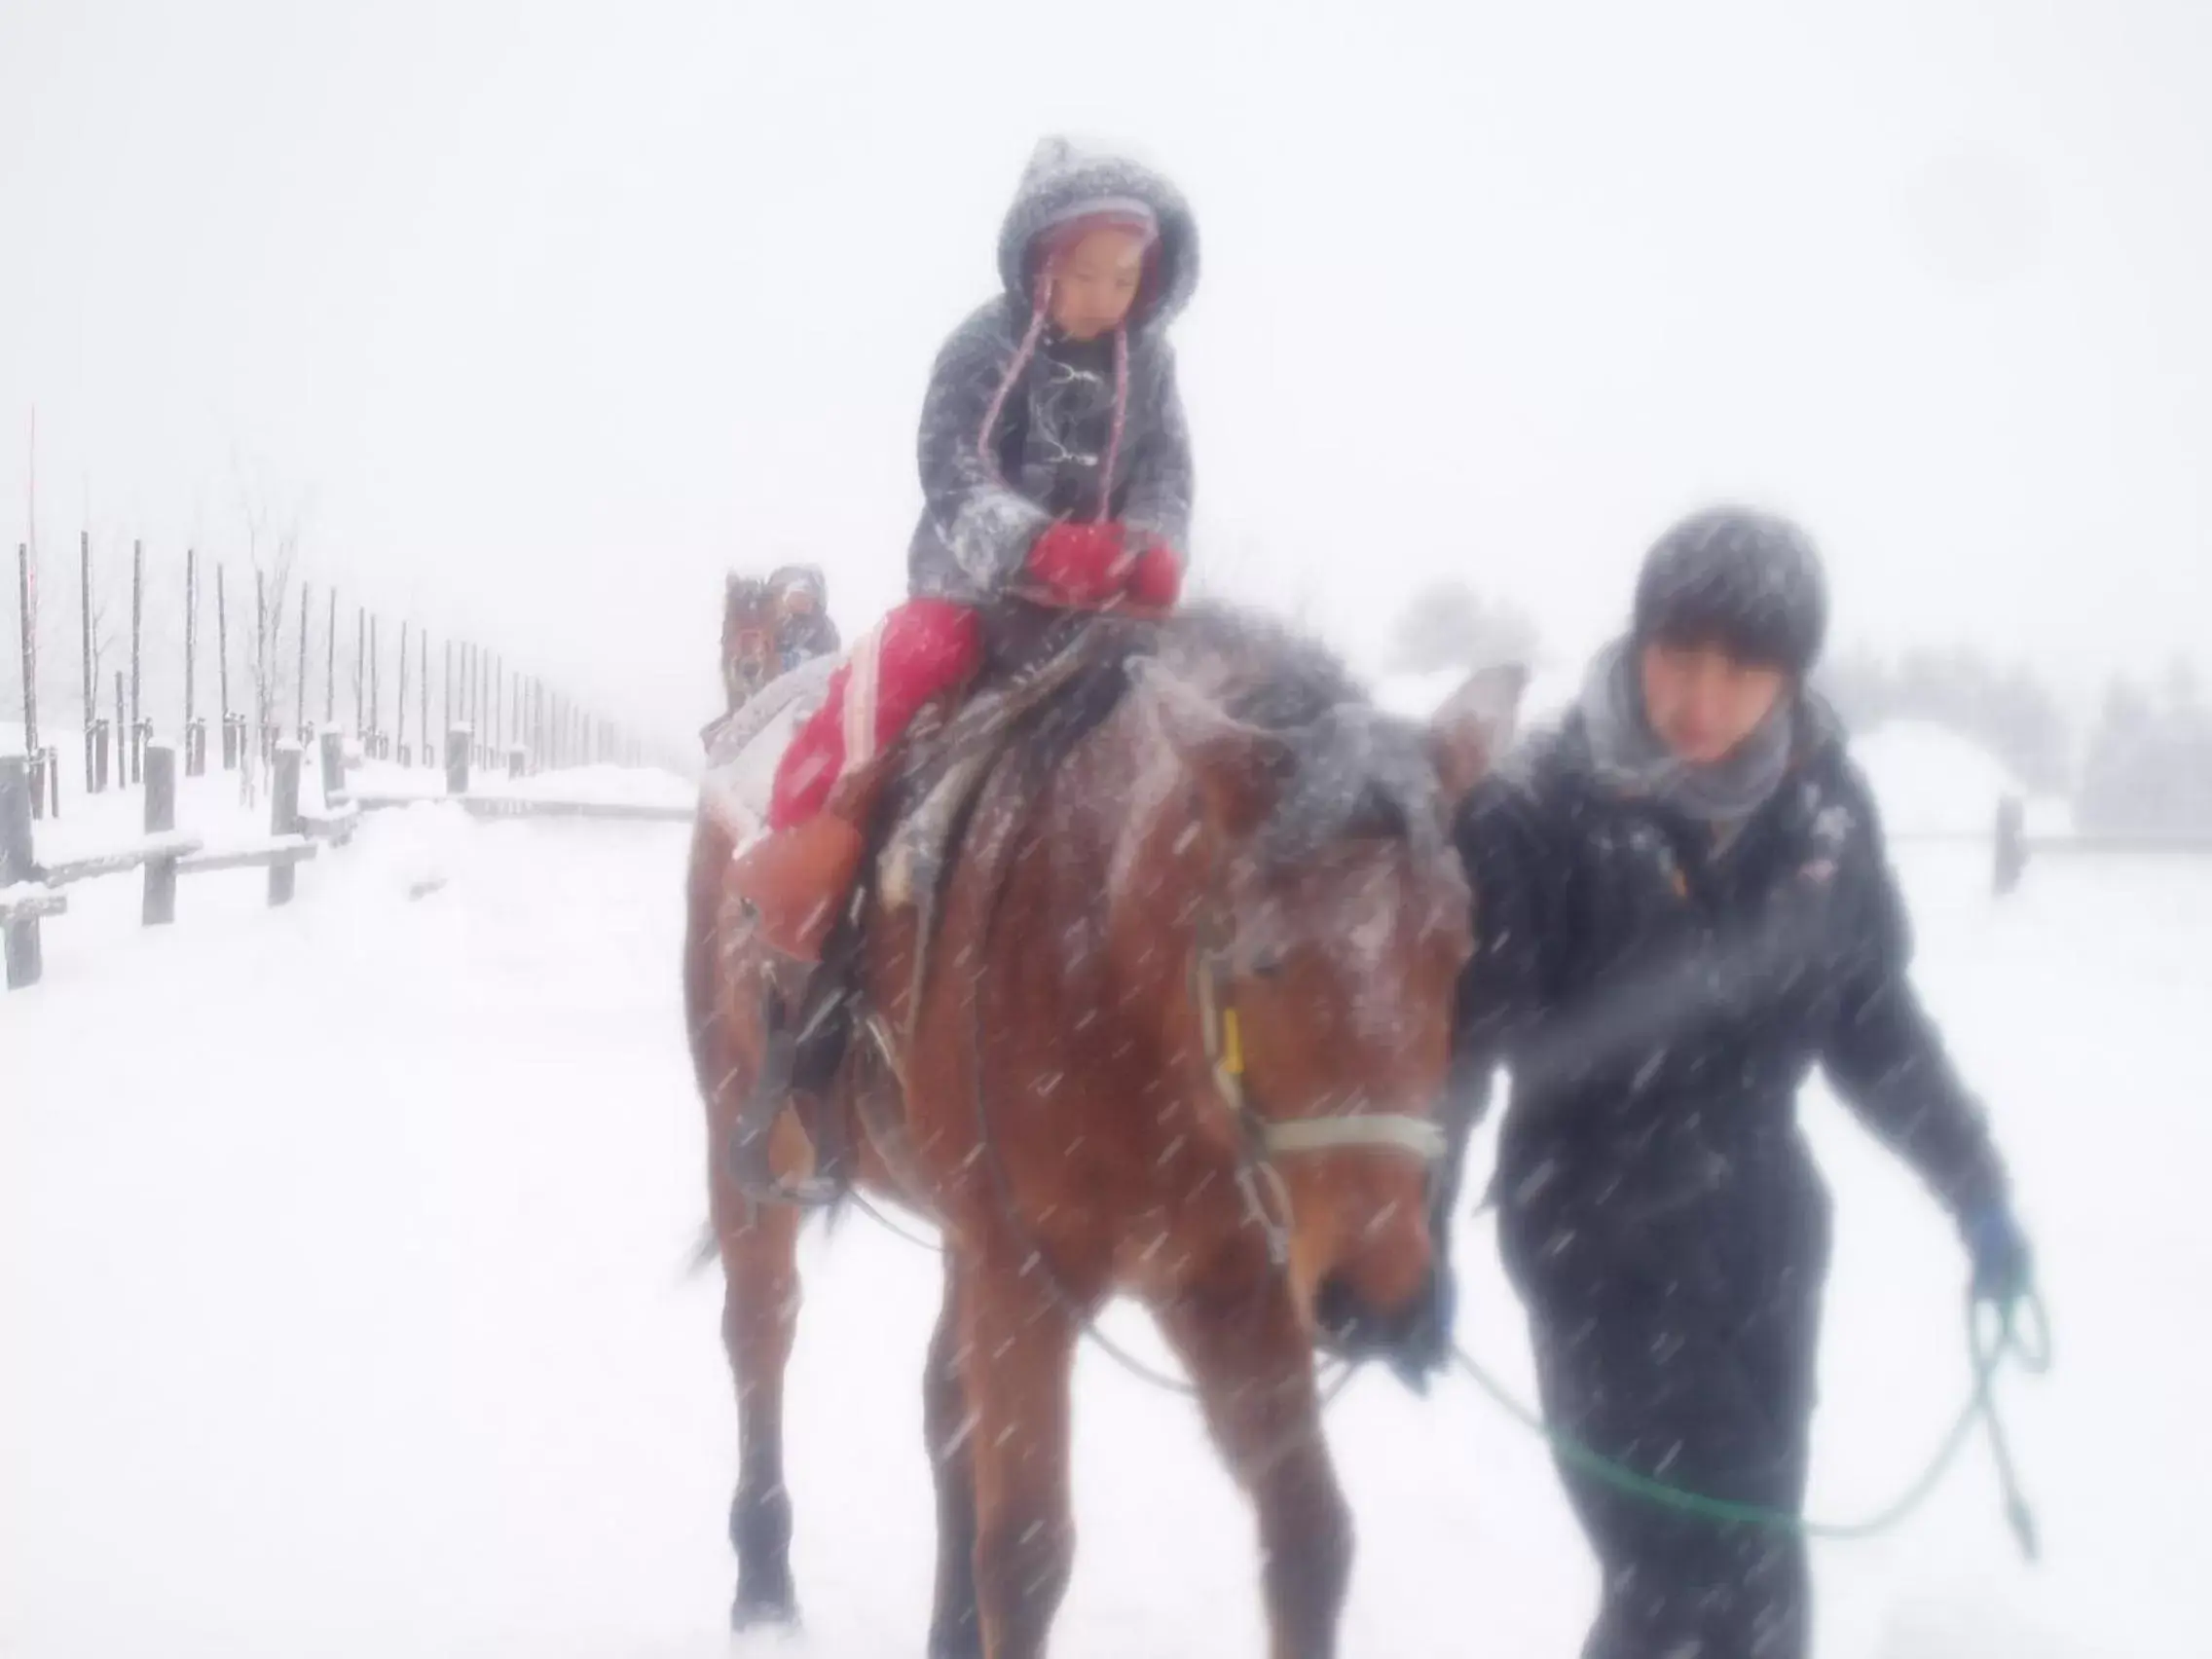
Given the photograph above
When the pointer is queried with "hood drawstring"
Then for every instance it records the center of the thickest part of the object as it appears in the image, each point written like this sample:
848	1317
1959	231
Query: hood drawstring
1121	421
1040	314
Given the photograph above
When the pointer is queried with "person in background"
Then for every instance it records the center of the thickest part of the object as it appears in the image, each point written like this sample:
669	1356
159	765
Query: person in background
800	596
1055	468
1686	903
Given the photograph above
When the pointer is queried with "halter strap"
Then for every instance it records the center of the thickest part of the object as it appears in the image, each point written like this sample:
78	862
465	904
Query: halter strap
1224	1037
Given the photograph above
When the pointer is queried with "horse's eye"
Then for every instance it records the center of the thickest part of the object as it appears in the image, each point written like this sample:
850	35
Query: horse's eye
1265	965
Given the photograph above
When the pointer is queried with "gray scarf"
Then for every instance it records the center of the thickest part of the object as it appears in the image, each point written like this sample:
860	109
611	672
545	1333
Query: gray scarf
1628	758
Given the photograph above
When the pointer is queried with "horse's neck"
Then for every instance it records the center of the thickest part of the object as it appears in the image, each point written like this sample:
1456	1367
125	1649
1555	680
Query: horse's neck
1153	848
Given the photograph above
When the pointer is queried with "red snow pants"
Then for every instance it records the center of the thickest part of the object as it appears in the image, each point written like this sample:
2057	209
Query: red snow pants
923	650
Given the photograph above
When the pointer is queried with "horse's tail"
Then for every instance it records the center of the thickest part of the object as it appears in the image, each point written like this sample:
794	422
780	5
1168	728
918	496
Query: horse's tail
705	1252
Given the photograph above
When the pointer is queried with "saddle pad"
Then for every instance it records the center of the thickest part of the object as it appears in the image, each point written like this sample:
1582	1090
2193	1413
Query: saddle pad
743	752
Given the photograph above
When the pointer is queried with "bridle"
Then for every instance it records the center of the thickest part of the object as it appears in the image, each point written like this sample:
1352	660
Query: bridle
1263	1140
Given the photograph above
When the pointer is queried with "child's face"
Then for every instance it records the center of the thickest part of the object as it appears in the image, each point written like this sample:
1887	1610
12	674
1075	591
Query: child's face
1094	284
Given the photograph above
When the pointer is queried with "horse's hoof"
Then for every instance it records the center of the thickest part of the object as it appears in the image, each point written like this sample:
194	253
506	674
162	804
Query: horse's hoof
763	1606
751	1612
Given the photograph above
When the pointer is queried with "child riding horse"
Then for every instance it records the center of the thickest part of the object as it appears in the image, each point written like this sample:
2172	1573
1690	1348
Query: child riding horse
1055	467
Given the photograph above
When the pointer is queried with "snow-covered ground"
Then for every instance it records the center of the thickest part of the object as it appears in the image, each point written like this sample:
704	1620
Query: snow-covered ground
224	810
342	1312
219	808
596	785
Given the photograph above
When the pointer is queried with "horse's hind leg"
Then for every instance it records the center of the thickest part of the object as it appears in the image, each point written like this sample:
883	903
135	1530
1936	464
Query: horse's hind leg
760	1302
949	1427
1255	1375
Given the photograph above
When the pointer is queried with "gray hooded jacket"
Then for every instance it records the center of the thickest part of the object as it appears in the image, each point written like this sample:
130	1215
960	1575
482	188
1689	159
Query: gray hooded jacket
988	496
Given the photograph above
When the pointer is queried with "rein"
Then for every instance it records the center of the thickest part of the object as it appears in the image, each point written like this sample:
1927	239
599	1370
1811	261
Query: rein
1262	1140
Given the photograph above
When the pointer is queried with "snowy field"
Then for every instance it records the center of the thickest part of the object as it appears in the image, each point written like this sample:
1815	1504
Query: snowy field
342	1312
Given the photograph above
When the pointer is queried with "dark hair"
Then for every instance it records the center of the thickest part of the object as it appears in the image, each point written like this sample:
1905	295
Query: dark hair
1748	582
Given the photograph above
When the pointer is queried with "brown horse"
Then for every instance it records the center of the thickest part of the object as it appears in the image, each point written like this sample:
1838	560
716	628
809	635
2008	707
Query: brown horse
750	658
1185	1011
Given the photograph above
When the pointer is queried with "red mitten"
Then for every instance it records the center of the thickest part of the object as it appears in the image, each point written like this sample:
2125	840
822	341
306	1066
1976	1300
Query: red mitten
1155	581
1081	564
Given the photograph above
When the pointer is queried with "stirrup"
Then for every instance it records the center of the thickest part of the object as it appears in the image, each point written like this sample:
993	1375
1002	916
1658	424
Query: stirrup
748	1153
756	1179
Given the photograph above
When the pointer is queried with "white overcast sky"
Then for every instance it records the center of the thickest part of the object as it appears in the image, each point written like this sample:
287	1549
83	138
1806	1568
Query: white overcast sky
559	311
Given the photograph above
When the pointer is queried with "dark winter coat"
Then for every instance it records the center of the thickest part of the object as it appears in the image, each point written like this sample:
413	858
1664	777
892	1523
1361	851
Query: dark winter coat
1659	998
805	637
987	498
1660	1001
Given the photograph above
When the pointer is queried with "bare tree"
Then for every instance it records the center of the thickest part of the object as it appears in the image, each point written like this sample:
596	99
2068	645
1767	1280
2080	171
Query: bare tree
1447	624
273	524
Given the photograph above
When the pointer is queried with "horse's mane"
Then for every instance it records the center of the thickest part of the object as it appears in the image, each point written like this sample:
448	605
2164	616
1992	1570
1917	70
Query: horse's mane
1261	671
1355	772
1358	771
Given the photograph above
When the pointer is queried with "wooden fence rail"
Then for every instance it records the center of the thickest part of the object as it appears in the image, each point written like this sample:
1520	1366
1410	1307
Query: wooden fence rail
31	892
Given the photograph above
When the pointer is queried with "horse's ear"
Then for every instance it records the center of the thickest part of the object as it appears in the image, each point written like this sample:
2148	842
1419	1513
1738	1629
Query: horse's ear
1240	769
1475	726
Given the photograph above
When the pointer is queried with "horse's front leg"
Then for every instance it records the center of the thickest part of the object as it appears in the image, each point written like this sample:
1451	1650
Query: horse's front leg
760	1302
948	1431
1016	1365
1253	1364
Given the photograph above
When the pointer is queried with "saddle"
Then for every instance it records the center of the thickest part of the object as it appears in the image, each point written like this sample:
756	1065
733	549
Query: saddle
913	839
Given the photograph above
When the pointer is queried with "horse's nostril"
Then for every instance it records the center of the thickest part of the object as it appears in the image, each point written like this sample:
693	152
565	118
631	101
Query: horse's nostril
1350	1325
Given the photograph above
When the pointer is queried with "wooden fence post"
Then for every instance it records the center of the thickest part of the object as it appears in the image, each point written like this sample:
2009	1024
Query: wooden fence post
16	862
333	766
2011	845
284	818
160	904
458	741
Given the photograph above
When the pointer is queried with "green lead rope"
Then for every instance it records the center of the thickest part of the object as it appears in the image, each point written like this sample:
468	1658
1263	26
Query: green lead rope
2019	1332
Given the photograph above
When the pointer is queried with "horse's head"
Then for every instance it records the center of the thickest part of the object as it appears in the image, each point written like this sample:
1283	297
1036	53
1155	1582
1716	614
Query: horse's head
1333	928
749	637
